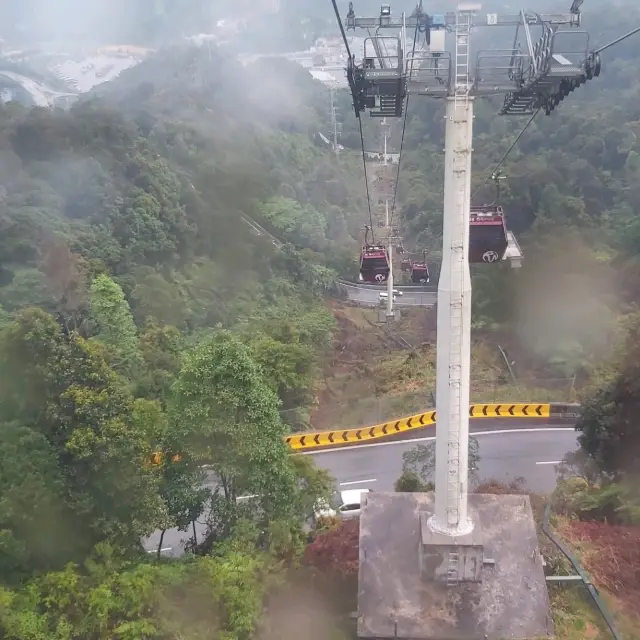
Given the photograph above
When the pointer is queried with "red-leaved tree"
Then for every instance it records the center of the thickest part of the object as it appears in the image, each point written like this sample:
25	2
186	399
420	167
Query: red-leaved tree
335	550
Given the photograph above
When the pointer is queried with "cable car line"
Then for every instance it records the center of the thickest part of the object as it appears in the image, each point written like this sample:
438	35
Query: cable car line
344	33
364	155
366	182
377	256
404	126
594	54
617	40
488	234
504	157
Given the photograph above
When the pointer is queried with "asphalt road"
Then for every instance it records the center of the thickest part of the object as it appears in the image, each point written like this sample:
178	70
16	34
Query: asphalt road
508	449
528	451
369	295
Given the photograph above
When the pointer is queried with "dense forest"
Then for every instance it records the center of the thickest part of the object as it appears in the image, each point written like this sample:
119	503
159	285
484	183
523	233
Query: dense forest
167	249
147	331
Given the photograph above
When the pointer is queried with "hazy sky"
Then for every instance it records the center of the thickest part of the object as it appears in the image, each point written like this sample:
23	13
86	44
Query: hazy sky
40	20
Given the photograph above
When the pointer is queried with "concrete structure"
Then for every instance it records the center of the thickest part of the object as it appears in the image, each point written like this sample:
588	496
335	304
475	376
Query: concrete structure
405	586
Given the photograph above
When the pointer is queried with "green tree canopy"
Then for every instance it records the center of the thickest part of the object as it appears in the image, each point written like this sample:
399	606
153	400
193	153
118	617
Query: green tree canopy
227	411
81	408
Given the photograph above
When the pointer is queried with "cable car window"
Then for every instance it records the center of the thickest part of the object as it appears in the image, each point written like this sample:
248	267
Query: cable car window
375	263
487	234
350	507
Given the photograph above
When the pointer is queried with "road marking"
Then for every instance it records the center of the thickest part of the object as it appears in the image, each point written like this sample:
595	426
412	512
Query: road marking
345	484
550	462
429	438
161	550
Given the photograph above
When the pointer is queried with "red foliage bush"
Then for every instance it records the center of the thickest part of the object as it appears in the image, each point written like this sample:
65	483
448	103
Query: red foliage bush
611	556
335	550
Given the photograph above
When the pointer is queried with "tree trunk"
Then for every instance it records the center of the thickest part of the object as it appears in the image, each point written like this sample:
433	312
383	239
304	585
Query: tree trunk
228	488
160	543
195	537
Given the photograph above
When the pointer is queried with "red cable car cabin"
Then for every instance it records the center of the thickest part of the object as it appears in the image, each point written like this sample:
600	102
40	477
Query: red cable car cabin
374	264
419	273
487	234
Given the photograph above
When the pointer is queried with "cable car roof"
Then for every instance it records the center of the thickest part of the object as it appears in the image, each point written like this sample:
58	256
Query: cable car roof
488	221
487	209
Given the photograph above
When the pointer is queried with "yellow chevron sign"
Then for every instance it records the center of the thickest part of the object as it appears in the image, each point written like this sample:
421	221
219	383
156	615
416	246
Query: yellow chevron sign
510	410
313	440
344	436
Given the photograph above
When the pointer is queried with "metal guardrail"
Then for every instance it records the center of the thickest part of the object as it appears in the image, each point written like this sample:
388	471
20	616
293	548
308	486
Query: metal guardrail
342	437
418	288
584	578
367	295
564	411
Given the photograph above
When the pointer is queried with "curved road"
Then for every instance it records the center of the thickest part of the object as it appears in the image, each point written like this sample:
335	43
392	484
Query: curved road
508	449
506	452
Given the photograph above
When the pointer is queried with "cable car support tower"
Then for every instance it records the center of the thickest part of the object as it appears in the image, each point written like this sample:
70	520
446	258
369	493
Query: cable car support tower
542	67
532	76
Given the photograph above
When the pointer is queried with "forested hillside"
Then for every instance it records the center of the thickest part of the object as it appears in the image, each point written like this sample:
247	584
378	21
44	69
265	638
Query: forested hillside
157	186
147	330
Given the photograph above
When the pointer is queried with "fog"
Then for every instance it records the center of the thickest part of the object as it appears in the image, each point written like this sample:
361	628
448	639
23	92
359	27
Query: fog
42	20
565	301
101	21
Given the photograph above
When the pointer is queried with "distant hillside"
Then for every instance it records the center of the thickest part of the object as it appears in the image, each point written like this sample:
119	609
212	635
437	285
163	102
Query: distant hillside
151	176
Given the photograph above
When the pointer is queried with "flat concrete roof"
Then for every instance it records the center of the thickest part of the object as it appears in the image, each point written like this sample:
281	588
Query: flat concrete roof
394	601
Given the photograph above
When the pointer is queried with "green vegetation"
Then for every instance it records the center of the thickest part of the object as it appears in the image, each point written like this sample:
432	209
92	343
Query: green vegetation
146	331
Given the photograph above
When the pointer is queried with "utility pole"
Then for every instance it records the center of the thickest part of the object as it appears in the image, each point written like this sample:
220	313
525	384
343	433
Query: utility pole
334	121
384	183
390	311
385	162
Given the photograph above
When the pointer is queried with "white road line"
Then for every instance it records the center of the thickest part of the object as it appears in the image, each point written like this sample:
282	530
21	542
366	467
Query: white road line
345	484
410	440
550	462
156	551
